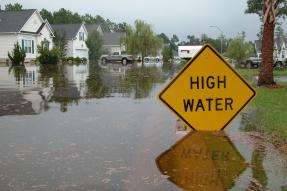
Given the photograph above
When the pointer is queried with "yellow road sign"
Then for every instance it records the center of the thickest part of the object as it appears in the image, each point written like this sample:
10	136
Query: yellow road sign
207	94
202	161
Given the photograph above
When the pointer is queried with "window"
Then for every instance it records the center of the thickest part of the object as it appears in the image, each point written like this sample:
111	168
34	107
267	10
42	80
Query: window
28	46
45	43
81	36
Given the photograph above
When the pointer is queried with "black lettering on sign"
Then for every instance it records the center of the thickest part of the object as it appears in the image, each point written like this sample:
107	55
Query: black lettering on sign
209	82
208	104
204	154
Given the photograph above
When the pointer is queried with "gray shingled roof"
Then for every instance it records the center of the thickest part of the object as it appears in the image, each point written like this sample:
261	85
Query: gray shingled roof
112	38
70	30
92	27
13	21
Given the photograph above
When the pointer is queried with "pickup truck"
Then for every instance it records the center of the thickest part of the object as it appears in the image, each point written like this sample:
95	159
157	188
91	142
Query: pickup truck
116	57
252	62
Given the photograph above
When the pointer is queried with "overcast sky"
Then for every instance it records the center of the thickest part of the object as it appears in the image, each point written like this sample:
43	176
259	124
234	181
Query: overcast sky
180	17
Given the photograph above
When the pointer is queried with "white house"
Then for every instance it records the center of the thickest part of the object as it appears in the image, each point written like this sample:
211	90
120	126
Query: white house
94	27
76	35
26	27
112	42
78	74
280	50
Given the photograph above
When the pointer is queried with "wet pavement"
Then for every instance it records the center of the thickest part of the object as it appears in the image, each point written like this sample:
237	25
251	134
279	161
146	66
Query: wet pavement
100	127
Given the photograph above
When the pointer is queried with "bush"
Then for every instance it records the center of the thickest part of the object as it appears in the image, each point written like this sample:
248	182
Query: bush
48	57
17	55
84	59
64	59
77	60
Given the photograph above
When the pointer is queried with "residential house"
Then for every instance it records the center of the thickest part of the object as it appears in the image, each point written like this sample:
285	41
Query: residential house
76	35
112	42
280	51
77	75
26	27
23	95
94	27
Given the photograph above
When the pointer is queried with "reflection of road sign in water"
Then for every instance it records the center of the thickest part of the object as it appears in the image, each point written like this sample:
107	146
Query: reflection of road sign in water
202	161
207	93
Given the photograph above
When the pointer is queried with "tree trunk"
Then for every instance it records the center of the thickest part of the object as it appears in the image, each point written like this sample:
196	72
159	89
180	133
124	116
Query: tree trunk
266	68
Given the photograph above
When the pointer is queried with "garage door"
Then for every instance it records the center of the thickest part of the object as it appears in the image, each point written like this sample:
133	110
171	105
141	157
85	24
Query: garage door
81	53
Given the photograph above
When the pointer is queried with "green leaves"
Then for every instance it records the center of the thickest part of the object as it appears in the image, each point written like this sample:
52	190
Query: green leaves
256	6
239	49
141	39
17	55
13	7
95	45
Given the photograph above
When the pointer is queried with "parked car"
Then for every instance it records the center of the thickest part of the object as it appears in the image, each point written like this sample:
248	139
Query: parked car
252	62
255	62
116	57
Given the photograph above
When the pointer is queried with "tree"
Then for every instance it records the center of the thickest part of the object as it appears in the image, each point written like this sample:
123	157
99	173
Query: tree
239	49
174	39
193	40
121	27
17	56
47	15
95	45
167	53
13	7
141	39
164	38
46	56
66	16
60	42
269	11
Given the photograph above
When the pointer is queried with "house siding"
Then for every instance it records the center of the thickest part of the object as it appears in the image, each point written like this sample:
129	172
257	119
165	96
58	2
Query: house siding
114	48
7	44
80	48
69	51
45	34
33	23
29	37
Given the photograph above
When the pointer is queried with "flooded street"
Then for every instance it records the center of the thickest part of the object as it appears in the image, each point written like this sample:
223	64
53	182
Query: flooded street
94	127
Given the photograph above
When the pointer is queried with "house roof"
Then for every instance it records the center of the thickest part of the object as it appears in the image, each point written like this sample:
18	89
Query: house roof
13	21
92	27
112	38
70	30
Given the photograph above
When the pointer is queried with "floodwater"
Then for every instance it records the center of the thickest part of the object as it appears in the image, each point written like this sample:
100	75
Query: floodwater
100	127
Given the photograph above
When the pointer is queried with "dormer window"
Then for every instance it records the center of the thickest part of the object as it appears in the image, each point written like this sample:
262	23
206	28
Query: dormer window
81	36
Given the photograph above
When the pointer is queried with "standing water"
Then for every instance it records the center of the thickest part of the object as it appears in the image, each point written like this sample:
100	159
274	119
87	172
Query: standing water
101	127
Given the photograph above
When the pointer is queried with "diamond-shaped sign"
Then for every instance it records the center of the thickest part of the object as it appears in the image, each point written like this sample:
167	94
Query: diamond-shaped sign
202	161
207	94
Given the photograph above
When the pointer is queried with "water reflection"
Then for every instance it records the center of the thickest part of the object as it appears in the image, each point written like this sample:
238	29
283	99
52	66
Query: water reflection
19	72
202	161
67	85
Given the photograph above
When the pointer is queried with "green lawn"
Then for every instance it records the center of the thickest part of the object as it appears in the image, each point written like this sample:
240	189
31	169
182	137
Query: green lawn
271	106
255	72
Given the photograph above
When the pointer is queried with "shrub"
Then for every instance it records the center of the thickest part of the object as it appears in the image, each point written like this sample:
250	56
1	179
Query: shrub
77	60
47	56
17	55
64	59
84	59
